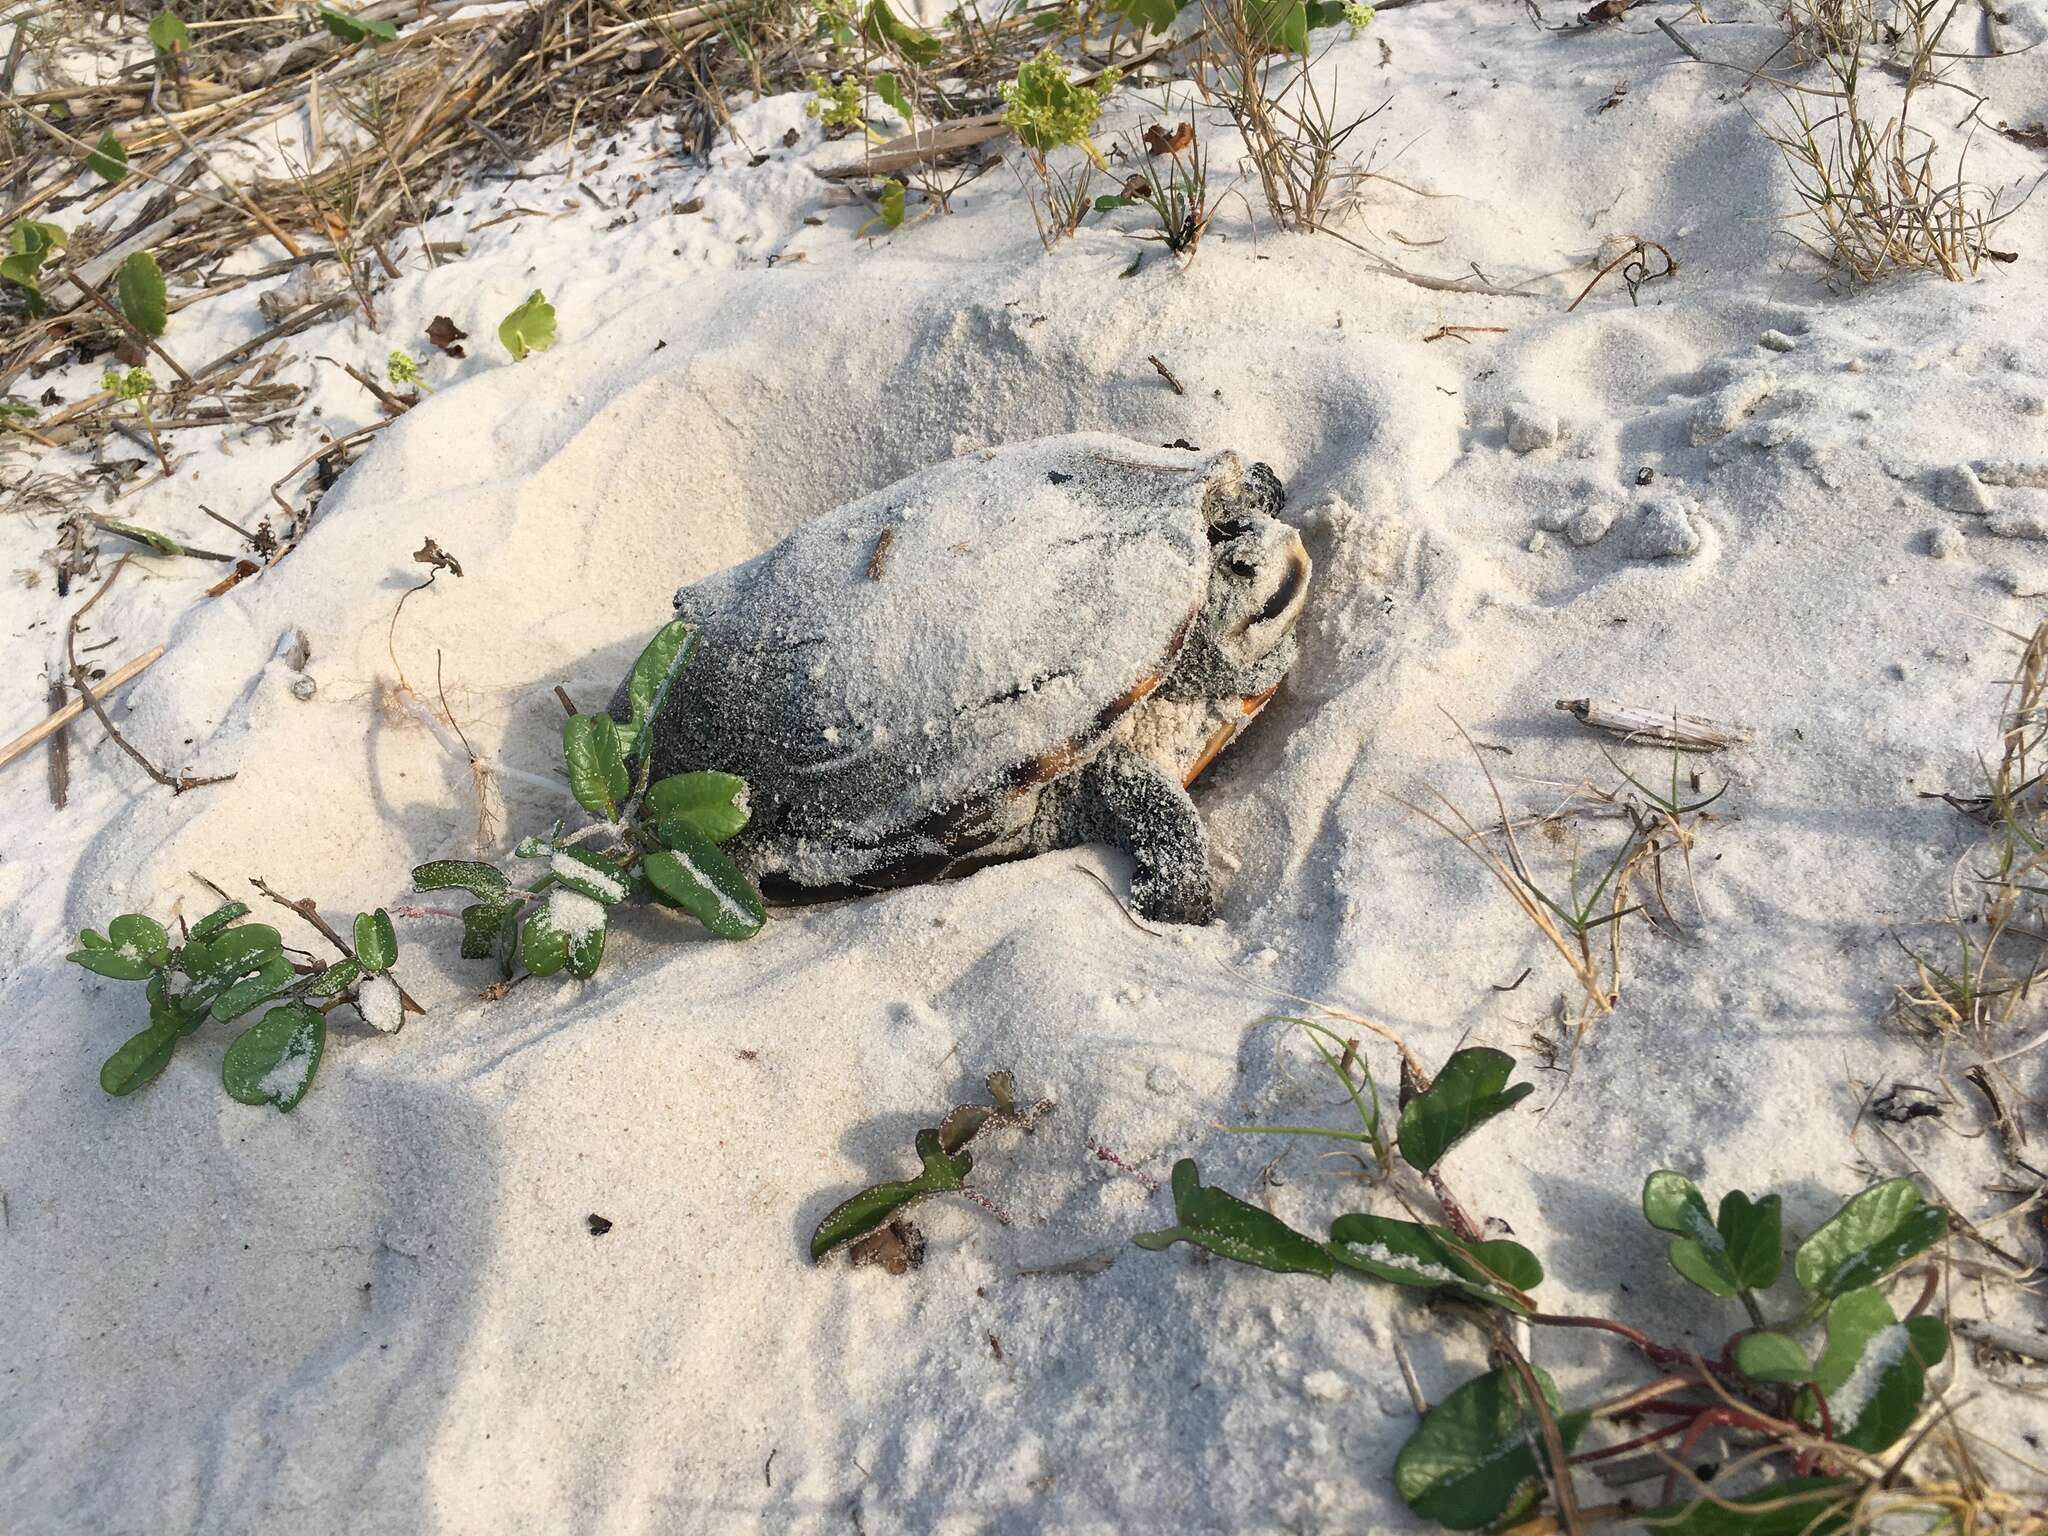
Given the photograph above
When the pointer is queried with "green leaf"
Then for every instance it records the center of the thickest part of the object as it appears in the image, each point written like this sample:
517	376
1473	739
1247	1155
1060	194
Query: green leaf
568	929
1046	110
233	954
110	963
1152	15
29	237
483	929
273	1061
1470	1090
692	874
139	1060
1799	1506
109	159
1473	1460
1278	25
134	947
376	940
879	1204
32	244
890	89
589	874
1220	1222
218	919
336	979
529	328
714	803
597	773
182	1012
483	880
1673	1203
144	299
161	543
133	933
1753	1232
1772	1357
891	204
1106	203
236	1000
1743	1250
1872	1235
354	29
882	27
1874	1369
167	33
647	685
1433	1258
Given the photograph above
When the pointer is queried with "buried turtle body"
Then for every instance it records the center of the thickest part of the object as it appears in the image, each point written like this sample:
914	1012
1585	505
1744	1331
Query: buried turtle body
1022	649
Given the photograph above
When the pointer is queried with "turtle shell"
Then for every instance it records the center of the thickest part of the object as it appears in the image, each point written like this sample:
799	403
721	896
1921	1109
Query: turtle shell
894	678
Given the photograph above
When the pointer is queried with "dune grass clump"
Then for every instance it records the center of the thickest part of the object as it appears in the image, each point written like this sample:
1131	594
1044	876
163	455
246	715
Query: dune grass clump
1878	193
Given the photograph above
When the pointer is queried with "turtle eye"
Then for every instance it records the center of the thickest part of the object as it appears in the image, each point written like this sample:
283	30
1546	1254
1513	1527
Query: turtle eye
1244	568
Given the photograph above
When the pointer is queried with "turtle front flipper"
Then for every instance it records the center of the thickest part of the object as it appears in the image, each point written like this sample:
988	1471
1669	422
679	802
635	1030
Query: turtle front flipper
1127	801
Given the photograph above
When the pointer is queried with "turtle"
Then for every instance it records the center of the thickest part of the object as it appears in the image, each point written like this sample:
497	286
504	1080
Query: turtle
1024	648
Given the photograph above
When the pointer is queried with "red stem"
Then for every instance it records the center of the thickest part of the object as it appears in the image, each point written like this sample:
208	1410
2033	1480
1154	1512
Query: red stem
1629	1445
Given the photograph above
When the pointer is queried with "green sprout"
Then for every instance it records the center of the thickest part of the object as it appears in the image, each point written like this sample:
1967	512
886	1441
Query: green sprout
529	328
136	386
839	106
1048	111
401	368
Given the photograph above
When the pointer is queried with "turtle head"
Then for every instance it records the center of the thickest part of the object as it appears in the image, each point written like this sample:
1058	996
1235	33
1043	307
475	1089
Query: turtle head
1259	573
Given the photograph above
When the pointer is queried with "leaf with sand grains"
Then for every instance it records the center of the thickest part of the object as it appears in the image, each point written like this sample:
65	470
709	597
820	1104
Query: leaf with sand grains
1873	1372
133	946
1469	1091
1741	1250
1472	1462
868	1219
1868	1238
273	1061
1220	1222
688	871
879	1204
1435	1258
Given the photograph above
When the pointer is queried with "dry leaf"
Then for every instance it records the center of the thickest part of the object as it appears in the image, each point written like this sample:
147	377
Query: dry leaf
1159	142
433	554
898	1248
445	333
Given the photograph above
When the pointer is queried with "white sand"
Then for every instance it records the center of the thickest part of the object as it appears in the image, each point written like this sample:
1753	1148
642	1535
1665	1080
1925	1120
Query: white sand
385	1312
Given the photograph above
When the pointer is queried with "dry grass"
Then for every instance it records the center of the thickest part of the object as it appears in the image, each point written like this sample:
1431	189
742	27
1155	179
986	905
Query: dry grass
1971	997
1584	922
1878	191
1292	134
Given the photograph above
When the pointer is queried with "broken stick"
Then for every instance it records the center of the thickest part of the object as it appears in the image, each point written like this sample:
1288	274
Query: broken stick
116	680
1663	728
